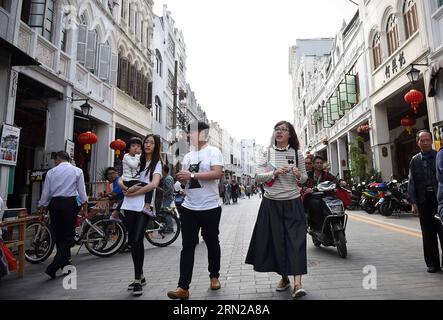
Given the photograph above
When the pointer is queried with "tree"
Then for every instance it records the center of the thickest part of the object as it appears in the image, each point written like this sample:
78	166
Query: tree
359	159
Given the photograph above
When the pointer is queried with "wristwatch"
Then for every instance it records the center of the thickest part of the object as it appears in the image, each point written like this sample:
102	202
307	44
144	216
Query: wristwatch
192	175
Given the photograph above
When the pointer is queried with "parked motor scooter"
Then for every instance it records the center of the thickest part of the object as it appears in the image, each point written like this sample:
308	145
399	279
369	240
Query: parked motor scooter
395	199
370	198
327	218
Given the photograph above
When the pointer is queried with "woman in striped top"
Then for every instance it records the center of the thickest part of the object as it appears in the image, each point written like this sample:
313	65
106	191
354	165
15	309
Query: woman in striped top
278	242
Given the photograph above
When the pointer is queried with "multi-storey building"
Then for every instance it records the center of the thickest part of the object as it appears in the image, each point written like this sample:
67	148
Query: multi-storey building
434	75
396	38
170	78
85	49
361	89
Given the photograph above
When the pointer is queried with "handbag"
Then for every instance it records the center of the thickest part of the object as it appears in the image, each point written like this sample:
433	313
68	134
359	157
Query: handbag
10	259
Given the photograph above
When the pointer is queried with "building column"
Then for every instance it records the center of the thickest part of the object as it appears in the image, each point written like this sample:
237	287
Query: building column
333	158
342	156
59	124
102	156
380	142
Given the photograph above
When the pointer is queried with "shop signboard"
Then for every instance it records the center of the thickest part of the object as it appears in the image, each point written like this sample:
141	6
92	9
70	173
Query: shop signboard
9	144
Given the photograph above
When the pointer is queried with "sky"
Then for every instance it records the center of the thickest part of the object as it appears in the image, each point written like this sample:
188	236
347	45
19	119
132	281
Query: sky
237	55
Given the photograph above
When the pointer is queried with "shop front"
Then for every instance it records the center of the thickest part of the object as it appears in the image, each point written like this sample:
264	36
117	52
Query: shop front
30	116
399	120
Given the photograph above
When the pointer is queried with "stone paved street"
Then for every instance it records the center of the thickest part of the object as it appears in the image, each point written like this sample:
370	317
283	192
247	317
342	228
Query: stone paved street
393	245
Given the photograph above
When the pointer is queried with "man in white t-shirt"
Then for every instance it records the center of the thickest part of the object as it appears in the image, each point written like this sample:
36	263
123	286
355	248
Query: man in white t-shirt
201	209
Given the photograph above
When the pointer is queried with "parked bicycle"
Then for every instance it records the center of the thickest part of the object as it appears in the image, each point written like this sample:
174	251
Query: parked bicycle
100	236
164	229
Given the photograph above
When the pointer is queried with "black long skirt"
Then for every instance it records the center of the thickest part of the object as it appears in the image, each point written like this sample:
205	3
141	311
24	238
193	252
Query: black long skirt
278	242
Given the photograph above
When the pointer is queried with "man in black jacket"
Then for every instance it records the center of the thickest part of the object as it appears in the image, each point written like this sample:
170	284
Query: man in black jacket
423	197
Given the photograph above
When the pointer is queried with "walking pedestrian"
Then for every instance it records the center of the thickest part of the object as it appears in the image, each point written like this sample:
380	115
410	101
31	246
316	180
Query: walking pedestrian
227	188
62	185
235	190
249	191
134	203
202	170
278	242
168	188
423	187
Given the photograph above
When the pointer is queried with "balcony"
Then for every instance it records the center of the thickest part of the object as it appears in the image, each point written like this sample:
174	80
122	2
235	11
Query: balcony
57	62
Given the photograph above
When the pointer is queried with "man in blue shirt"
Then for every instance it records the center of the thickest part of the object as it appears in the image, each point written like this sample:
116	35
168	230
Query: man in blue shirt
112	176
116	194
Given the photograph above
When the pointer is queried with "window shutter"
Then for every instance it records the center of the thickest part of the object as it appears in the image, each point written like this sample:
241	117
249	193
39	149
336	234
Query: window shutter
138	92
144	90
119	72
91	49
124	74
131	75
114	70
104	61
81	43
149	95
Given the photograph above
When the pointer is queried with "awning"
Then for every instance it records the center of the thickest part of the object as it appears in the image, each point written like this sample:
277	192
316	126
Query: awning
18	57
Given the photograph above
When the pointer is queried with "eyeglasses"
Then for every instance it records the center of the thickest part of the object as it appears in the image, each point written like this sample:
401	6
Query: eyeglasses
284	130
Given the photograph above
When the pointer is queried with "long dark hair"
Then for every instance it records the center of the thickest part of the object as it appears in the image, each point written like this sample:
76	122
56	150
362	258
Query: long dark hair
156	155
293	139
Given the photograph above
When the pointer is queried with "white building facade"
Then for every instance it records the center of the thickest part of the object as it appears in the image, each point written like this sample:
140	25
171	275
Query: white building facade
331	97
434	74
396	38
80	46
170	62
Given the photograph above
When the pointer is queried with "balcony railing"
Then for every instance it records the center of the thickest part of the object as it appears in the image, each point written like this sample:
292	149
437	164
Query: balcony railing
56	61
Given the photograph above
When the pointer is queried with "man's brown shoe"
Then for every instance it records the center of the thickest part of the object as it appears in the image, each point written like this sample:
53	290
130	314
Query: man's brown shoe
215	284
179	293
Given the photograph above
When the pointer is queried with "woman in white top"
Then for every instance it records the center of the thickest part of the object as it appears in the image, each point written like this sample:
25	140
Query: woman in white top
133	204
131	176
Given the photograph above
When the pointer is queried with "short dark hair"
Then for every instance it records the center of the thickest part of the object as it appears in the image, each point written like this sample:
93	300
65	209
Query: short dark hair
166	168
135	140
62	155
200	125
318	158
110	169
424	131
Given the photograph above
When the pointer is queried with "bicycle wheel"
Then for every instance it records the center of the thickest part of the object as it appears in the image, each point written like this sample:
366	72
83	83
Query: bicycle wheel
39	242
163	230
104	238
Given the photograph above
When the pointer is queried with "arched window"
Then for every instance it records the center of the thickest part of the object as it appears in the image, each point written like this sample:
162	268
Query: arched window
392	34
410	17
159	62
158	109
376	50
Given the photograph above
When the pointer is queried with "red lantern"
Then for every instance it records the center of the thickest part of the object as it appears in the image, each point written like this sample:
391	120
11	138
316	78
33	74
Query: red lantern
87	138
118	145
415	98
408	123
